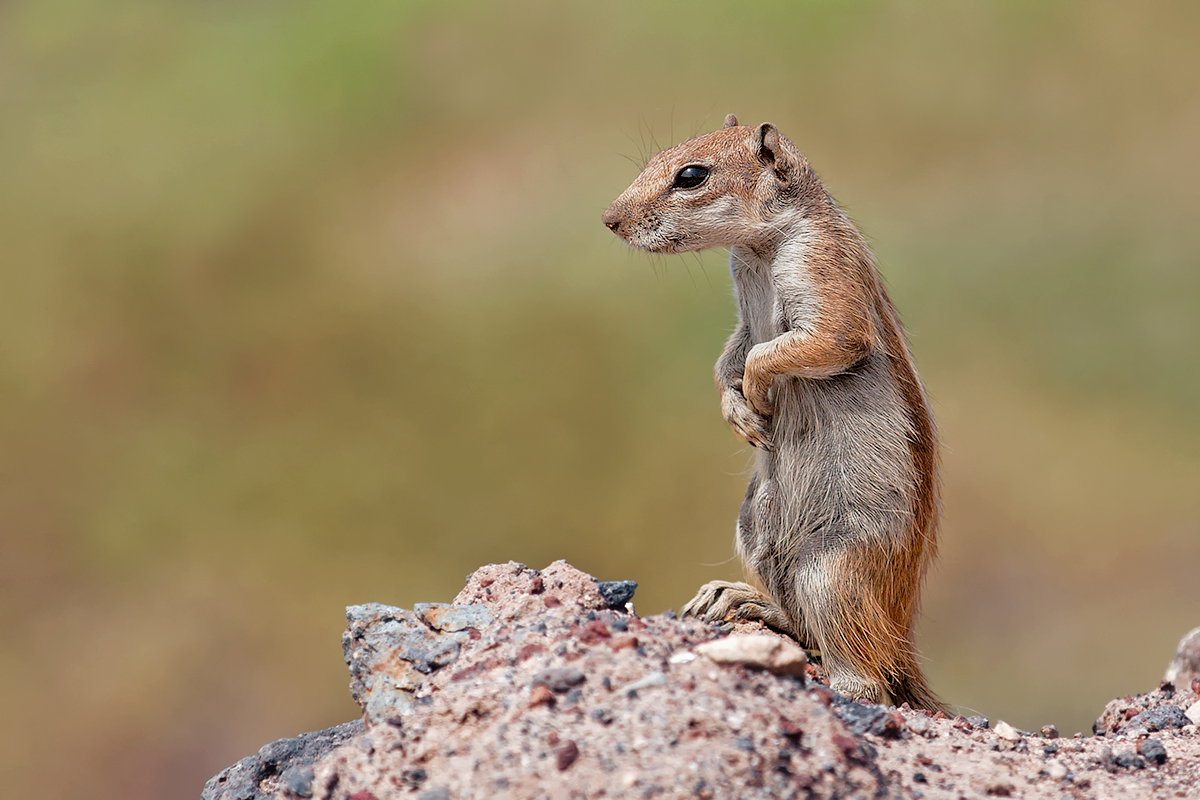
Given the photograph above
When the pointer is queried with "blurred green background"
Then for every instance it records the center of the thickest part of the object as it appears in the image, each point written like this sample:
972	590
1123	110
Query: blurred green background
308	303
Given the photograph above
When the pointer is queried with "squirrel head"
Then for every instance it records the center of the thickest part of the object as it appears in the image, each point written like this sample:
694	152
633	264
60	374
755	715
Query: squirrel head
723	188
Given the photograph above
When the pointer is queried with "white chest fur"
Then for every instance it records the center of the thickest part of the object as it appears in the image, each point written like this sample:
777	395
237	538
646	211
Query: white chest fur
774	290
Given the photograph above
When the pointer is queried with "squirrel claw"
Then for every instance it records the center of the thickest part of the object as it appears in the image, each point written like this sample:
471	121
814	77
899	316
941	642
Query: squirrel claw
725	601
750	426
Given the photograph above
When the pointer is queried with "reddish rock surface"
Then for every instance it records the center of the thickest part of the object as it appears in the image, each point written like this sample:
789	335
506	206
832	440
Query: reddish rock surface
544	684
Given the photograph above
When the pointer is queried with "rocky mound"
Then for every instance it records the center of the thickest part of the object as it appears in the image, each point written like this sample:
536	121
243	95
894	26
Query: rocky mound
547	684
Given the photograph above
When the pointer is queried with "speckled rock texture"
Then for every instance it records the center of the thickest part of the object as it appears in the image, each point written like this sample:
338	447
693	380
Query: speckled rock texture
546	683
282	763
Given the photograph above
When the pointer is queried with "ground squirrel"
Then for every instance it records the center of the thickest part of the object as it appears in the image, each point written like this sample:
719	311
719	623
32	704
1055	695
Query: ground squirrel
839	522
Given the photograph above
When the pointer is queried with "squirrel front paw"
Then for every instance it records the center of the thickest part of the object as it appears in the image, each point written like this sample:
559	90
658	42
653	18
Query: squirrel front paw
752	427
756	381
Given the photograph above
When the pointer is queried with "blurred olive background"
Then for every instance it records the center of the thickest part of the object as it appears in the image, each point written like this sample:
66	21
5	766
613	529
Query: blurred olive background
308	303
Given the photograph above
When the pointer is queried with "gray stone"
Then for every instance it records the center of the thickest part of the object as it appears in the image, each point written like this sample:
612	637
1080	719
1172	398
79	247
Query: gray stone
279	751
616	593
558	679
1157	719
298	781
1153	751
389	650
288	758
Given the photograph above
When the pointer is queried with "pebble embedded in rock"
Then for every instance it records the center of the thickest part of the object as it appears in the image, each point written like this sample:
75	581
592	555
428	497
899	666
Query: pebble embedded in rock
918	724
1153	751
1056	770
868	718
279	751
540	696
1050	731
559	679
759	651
1157	719
616	593
453	618
566	755
653	679
297	782
1007	732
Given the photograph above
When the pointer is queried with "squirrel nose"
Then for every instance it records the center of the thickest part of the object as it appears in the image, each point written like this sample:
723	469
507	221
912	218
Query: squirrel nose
611	220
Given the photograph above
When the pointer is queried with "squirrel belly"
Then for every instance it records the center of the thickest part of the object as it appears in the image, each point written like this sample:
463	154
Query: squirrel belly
839	521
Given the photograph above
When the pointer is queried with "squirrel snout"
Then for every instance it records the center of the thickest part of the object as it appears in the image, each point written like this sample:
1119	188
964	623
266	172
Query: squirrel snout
611	219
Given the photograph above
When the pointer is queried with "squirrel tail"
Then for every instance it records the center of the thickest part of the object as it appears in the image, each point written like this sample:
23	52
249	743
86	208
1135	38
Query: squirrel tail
910	687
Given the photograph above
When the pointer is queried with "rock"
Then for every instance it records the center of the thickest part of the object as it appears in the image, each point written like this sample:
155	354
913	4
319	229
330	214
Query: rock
297	781
540	696
292	759
1148	712
616	593
450	618
1007	732
1050	731
770	653
389	652
1157	719
559	679
869	718
531	685
513	591
566	755
919	724
1185	666
653	679
1193	713
1153	751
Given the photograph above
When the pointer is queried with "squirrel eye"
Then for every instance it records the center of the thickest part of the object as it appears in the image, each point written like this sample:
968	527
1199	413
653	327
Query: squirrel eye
690	177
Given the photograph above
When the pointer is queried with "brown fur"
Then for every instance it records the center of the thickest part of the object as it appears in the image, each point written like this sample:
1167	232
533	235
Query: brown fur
839	523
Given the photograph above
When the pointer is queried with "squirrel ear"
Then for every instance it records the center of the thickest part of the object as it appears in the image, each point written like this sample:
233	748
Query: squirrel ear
766	144
730	121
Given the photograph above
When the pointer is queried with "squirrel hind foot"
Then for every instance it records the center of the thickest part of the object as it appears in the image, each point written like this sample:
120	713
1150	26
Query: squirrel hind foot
726	601
859	688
